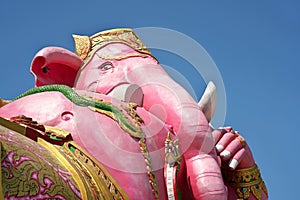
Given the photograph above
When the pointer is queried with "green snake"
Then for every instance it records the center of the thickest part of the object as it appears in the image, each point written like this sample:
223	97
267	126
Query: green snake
100	106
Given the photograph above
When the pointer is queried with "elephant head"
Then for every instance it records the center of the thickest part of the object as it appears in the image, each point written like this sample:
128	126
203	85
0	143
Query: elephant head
116	58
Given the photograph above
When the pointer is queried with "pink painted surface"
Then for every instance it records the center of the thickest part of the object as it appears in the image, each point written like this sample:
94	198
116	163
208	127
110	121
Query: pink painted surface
165	103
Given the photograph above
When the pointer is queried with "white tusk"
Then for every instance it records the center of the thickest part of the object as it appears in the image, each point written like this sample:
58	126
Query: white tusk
128	93
208	101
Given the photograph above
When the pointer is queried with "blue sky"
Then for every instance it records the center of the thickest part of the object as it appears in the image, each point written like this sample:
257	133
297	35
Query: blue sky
255	45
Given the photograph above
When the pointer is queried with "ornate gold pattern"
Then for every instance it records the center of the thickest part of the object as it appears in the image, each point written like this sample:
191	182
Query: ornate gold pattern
124	35
99	170
79	179
82	45
92	179
246	181
98	177
85	44
29	170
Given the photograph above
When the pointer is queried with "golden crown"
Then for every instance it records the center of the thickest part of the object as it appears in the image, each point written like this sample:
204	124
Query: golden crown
85	44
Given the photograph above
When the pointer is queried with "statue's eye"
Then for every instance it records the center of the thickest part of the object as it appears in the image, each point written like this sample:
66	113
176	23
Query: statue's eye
106	67
45	69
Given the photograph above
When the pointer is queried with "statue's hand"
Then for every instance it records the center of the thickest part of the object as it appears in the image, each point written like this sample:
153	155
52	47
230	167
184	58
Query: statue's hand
232	149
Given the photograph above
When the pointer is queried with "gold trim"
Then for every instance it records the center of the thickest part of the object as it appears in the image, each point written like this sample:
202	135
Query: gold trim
57	132
125	35
63	161
242	177
109	57
85	45
84	158
97	188
82	45
246	181
151	174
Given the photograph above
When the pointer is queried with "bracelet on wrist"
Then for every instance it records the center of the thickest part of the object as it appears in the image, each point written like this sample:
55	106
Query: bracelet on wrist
245	182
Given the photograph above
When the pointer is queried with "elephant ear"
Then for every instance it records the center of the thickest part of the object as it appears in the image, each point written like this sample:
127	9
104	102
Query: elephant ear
208	101
55	65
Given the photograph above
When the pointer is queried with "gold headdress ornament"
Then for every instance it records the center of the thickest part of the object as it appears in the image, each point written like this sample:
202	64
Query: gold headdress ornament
85	44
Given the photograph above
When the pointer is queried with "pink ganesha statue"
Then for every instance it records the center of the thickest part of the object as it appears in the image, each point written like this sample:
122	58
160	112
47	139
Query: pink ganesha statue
109	123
